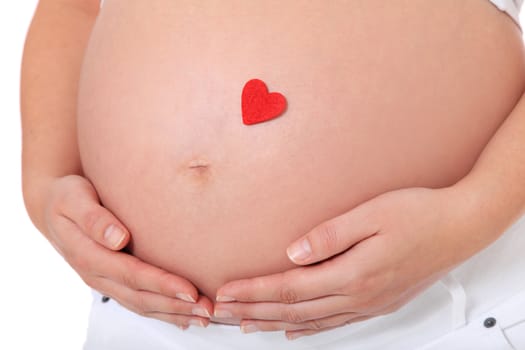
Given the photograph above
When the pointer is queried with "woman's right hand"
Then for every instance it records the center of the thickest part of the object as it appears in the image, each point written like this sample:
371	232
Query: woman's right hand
89	238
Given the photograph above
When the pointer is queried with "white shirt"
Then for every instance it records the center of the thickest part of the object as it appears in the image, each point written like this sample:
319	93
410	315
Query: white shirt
512	7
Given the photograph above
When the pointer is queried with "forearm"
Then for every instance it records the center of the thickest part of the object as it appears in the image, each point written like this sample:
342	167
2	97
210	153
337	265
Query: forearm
53	54
494	190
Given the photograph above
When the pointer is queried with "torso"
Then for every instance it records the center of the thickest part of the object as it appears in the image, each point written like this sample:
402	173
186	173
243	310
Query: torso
381	95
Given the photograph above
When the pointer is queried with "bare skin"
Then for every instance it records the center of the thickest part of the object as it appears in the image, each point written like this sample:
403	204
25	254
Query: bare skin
62	203
471	53
382	97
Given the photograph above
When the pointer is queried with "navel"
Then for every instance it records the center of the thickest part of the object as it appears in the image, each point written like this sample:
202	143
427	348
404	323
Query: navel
199	170
198	163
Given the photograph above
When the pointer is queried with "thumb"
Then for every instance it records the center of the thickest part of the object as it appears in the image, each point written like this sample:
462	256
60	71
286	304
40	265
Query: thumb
82	206
333	236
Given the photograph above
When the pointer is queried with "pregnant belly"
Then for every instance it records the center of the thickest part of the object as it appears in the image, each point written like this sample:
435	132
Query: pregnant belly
381	95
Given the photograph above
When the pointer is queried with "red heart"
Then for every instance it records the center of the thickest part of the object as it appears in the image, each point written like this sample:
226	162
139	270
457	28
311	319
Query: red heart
258	105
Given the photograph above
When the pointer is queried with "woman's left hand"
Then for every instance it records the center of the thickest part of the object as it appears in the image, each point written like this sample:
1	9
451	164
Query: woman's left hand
371	261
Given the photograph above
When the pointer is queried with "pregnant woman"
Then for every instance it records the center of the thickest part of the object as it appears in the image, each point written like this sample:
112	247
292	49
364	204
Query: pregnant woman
392	158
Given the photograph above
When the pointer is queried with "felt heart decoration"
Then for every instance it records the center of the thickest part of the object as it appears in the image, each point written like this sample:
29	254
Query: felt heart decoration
258	105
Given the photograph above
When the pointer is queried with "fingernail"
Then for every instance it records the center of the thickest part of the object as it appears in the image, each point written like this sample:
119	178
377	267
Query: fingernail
114	236
224	298
293	336
183	327
198	323
249	328
199	311
299	251
222	314
185	297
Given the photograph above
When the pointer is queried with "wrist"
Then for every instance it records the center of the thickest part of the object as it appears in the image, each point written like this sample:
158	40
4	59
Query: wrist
482	207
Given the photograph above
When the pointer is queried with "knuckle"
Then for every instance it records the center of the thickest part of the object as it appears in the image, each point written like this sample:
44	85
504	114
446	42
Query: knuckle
315	325
363	293
287	294
91	220
291	315
141	305
361	284
328	236
130	280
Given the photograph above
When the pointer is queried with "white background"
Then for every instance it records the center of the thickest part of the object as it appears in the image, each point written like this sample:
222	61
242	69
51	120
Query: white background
43	303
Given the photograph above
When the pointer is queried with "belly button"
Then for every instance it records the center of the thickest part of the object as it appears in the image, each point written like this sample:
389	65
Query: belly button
198	164
199	171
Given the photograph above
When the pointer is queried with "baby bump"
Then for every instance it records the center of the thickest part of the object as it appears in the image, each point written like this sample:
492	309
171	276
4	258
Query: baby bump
379	97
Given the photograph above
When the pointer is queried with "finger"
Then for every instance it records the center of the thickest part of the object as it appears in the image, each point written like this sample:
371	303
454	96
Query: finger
288	313
323	324
90	258
81	205
371	304
138	275
292	286
181	321
144	302
291	335
334	236
250	326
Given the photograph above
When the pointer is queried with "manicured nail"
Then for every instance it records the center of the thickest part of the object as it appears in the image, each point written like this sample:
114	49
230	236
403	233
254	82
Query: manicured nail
200	311
224	298
114	236
249	328
299	251
222	314
185	297
198	323
293	336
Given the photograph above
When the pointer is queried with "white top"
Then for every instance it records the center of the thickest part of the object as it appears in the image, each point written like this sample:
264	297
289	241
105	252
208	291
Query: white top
511	7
